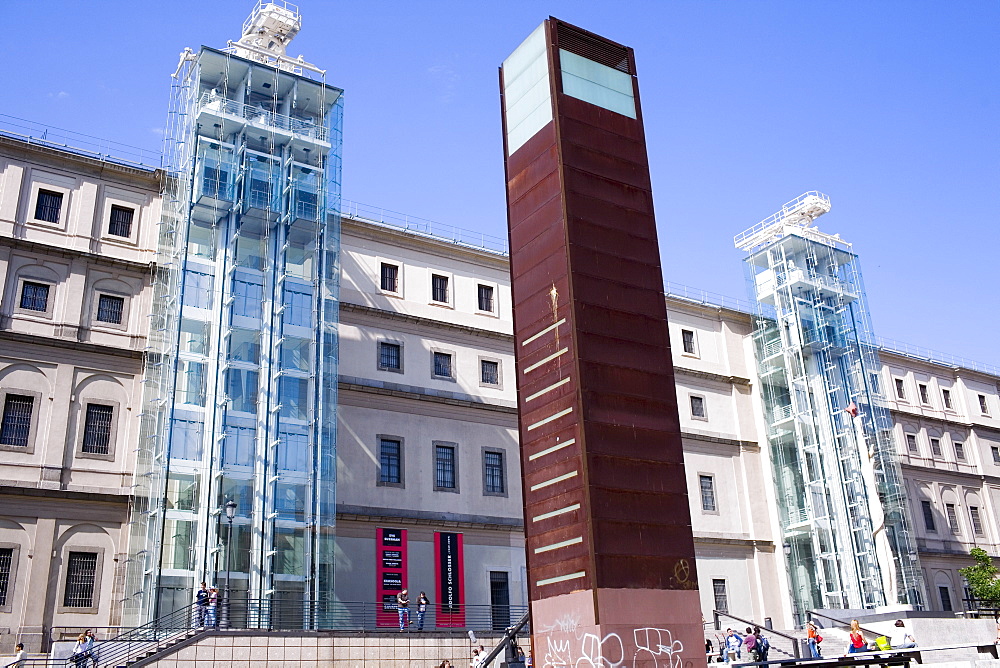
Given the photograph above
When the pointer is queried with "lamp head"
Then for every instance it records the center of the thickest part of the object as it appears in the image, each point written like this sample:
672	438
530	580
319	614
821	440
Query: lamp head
230	509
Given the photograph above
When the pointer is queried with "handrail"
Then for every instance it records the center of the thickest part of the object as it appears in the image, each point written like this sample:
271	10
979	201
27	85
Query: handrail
813	613
509	636
796	648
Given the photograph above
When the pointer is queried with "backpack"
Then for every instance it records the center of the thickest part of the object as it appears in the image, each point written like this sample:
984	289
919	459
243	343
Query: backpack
763	644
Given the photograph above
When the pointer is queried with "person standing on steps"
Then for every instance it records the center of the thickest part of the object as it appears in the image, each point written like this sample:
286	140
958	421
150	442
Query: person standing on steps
422	603
211	619
813	640
201	605
403	608
19	656
858	643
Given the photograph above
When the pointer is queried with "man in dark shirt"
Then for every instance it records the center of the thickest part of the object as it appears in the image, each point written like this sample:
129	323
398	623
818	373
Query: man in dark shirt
201	604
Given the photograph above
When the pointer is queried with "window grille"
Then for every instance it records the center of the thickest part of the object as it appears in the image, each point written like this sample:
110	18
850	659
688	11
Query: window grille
952	516
721	597
977	520
6	558
97	429
493	473
490	372
960	452
687	338
110	309
486	298
500	600
390	470
16	425
707	492
121	221
697	407
48	205
81	574
924	398
442	365
928	515
946	395
439	288
911	442
900	390
444	467
389	356
390	277
35	296
936	447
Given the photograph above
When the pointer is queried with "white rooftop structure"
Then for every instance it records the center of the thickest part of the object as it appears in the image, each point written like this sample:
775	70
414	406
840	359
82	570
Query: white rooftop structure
795	217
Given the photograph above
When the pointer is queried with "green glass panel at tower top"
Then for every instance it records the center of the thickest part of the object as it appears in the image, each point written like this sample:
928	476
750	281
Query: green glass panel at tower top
241	378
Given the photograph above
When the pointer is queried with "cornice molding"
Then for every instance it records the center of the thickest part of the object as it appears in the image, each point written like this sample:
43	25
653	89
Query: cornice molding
424	322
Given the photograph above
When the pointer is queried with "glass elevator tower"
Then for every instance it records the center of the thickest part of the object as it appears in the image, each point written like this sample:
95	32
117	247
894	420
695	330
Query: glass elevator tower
241	375
841	497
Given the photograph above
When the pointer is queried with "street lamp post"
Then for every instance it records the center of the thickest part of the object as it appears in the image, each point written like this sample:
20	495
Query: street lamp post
230	508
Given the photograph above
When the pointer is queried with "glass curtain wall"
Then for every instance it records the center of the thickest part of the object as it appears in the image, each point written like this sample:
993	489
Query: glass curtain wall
841	497
241	381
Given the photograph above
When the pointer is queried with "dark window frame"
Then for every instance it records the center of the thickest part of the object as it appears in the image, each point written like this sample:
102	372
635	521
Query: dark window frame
450	451
41	290
48	205
494	471
699	408
16	428
391	277
709	498
108	306
384	478
120	221
440	293
486	298
384	358
484	377
443	364
927	508
720	595
83	595
688	343
103	432
977	521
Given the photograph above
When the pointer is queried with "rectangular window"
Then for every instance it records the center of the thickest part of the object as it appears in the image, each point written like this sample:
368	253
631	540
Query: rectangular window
928	515
946	396
121	221
949	509
698	407
390	356
439	288
110	309
875	384
721	598
240	445
936	447
996	454
242	388
900	391
248	298
48	205
81	575
960	452
390	455
490	371
707	483
486	298
298	305
186	439
499	600
35	296
16	425
6	559
390	277
977	520
945	599
442	365
911	443
983	406
97	429
197	289
687	338
924	398
444	467
493	473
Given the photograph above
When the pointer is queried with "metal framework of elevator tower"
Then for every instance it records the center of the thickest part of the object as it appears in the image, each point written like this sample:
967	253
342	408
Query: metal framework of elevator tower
842	503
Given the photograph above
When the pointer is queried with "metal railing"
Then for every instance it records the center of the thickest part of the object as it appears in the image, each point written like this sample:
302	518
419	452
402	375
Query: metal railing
934	356
258	114
840	622
105	150
795	642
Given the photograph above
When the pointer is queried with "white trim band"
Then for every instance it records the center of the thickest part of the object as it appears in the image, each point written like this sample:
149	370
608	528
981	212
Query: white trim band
556	513
556	546
550	418
546	360
547	389
561	578
543	332
546	451
558	478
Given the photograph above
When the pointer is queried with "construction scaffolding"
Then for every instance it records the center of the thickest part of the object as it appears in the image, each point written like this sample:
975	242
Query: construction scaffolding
842	503
241	375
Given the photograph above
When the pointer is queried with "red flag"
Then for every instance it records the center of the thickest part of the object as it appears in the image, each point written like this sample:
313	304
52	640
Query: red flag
852	408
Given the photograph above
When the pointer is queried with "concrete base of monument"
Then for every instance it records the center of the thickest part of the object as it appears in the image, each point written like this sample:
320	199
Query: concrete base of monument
619	628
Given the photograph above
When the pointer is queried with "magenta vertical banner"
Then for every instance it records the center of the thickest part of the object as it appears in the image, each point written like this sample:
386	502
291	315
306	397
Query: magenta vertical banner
390	573
449	573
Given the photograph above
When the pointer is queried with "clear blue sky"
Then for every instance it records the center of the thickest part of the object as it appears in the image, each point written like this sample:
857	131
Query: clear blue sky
891	108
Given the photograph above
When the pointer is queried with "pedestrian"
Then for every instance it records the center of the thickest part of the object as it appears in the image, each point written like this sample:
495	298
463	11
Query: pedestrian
858	643
750	645
19	656
201	605
813	639
709	650
422	603
446	664
92	648
403	608
79	655
734	646
763	644
901	637
211	619
475	659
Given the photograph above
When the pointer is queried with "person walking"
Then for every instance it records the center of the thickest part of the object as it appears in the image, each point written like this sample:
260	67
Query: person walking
403	608
201	605
19	656
79	655
858	643
422	603
763	644
750	645
91	648
813	640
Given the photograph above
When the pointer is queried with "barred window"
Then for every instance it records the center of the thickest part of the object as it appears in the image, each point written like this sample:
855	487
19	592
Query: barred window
493	473
928	511
687	339
442	365
439	288
486	298
97	429
390	356
977	520
444	467
6	558
48	205
81	574
35	296
936	447
698	406
960	452
721	598
707	483
946	395
110	309
390	277
390	461
490	372
16	425
121	221
949	509
911	442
